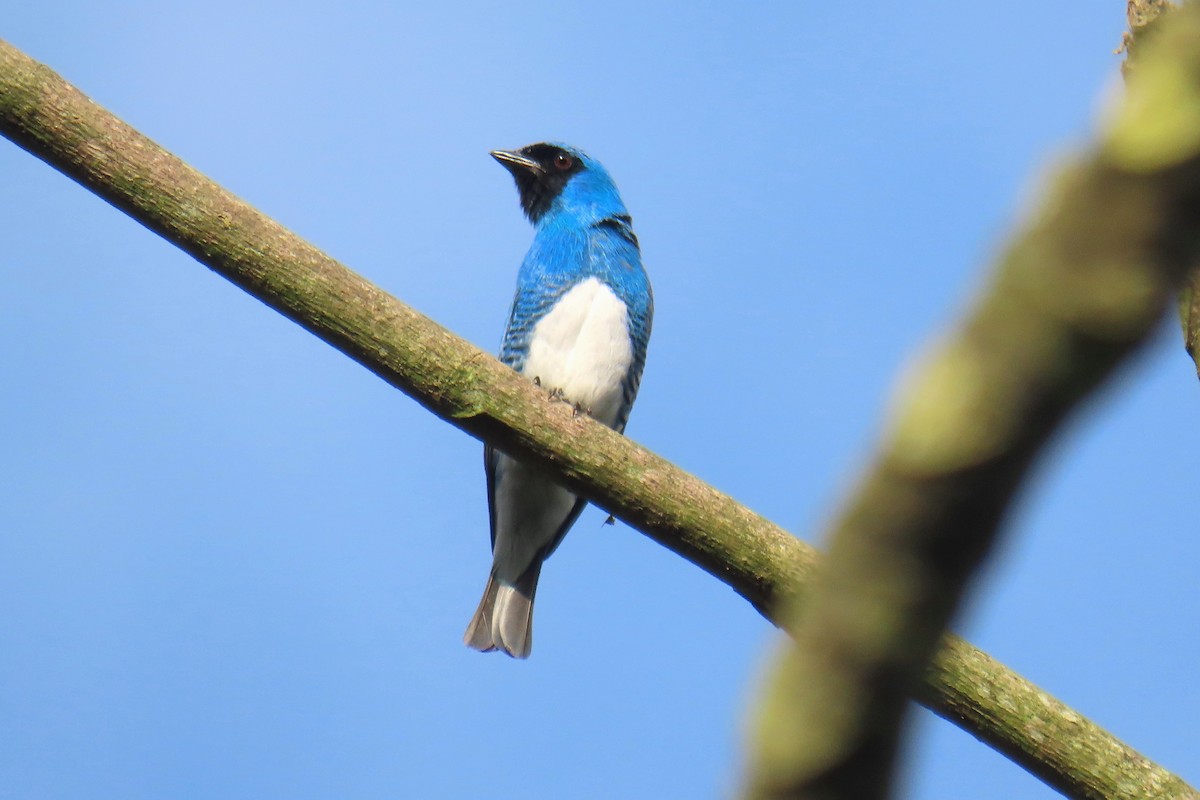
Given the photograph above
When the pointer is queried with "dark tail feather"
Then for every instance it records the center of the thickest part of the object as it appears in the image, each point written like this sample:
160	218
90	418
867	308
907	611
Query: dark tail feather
504	619
479	631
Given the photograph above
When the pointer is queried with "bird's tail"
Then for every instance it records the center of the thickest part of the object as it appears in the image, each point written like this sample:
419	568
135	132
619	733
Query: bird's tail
504	619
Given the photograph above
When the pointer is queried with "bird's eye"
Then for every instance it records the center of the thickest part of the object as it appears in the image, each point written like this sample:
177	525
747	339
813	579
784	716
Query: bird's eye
563	162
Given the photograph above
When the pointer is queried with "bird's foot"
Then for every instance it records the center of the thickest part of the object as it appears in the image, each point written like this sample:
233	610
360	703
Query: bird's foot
560	396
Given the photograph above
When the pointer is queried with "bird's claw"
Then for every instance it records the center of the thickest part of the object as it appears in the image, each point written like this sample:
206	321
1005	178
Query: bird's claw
554	394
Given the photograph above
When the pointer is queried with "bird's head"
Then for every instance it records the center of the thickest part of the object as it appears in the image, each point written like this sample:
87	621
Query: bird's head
555	178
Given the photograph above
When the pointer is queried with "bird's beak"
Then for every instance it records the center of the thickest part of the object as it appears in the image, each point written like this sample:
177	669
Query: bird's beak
513	161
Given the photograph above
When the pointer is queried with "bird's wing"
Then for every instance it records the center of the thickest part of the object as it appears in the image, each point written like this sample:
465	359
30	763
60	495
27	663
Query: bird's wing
490	460
561	533
546	275
491	463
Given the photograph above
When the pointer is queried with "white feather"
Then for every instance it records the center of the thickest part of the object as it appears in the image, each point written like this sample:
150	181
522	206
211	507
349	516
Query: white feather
582	347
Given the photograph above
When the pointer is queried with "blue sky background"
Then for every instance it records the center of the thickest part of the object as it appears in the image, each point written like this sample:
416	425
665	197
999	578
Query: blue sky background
233	563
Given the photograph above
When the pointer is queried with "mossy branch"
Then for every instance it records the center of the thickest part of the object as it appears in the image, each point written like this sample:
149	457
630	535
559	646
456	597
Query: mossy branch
48	117
1144	17
1076	292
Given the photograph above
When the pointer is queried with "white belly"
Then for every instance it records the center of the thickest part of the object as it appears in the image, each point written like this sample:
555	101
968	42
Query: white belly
582	347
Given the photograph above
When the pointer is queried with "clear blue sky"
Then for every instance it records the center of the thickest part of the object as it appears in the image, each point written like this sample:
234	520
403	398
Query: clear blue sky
233	563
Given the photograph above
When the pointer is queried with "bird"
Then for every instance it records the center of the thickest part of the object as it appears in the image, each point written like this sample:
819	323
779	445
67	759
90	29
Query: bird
579	326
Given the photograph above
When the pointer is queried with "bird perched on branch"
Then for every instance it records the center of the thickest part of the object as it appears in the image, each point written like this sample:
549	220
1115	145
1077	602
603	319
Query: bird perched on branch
579	325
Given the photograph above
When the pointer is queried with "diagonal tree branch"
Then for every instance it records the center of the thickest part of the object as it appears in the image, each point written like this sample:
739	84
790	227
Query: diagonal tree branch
1085	283
48	117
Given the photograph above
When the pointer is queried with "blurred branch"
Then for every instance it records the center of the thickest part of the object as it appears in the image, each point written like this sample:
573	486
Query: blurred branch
1079	288
1144	18
43	114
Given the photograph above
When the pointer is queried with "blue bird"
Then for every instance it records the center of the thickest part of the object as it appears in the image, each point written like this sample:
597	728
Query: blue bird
578	326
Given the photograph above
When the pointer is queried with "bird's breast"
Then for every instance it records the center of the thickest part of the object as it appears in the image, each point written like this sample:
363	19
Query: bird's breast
582	347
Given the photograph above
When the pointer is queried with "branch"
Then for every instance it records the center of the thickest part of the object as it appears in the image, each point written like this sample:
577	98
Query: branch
468	388
1078	290
1144	17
